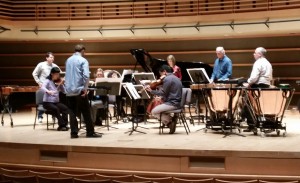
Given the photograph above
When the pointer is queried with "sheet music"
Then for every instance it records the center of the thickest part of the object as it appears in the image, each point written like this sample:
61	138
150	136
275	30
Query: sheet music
113	83
133	92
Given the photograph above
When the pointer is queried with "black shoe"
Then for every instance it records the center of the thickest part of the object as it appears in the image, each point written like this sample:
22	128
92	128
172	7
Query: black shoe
62	128
74	136
172	125
94	135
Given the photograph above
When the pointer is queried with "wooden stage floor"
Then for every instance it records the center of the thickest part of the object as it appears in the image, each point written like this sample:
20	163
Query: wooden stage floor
192	153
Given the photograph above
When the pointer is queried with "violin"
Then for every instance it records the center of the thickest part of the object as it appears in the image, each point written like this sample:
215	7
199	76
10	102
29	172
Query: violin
153	85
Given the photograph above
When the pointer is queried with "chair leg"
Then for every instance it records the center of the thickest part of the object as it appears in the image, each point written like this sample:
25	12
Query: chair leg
47	122
53	118
36	113
185	125
160	125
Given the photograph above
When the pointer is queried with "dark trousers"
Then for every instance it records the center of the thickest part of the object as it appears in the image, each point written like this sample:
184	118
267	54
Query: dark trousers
80	105
60	111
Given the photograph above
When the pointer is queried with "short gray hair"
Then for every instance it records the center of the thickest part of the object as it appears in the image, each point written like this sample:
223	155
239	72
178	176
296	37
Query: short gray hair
262	51
220	49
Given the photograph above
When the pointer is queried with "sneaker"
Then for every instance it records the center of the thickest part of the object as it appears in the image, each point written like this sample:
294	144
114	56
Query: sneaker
40	120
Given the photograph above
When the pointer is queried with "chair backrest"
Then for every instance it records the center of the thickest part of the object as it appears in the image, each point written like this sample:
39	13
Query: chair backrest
86	176
39	95
153	179
194	180
21	179
44	174
14	172
56	180
76	180
188	98
183	96
125	178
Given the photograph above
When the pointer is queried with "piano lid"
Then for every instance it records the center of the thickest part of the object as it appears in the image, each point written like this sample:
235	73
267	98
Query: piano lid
151	64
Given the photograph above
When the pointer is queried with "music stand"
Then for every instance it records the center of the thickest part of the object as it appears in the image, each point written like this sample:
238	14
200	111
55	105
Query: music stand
135	93
199	76
138	77
108	86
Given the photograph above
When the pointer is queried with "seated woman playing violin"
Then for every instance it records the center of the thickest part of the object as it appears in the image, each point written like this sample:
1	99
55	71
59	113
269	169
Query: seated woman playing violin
170	92
52	86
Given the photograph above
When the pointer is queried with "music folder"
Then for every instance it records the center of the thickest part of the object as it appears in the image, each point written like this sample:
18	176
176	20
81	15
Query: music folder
198	75
112	85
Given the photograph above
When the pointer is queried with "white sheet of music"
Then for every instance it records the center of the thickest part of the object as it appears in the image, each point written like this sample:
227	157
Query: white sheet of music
133	92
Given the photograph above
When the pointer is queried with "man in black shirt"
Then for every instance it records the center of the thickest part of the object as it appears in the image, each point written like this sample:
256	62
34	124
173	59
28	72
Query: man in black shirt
171	92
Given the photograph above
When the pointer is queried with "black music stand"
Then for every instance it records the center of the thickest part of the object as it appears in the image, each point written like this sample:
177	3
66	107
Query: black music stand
108	86
199	76
135	95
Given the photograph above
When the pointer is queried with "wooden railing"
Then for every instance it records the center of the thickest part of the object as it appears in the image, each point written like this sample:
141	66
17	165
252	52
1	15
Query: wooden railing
95	10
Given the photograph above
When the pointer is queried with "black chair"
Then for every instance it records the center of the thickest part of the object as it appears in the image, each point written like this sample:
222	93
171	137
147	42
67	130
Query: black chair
39	95
185	98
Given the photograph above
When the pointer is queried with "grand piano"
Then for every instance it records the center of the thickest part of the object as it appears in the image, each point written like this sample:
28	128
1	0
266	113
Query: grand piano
151	64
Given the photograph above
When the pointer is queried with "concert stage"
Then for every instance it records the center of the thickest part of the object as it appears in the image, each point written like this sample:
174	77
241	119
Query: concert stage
197	153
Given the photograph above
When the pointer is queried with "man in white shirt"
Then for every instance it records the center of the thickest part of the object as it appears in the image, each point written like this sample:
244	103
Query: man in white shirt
260	77
262	71
41	72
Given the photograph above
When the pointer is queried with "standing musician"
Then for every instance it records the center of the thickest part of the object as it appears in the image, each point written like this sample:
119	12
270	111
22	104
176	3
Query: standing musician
176	70
262	71
40	74
77	81
260	77
222	67
170	92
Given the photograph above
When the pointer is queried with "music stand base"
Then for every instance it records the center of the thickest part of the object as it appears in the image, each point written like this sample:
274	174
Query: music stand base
134	129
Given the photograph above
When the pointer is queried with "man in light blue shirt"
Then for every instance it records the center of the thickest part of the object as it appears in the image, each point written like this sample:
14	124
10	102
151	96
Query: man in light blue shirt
222	67
76	84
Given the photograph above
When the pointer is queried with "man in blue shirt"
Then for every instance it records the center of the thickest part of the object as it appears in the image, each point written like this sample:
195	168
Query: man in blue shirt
222	67
76	84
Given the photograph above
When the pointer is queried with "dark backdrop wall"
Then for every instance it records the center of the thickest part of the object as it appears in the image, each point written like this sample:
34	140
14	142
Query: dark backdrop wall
18	59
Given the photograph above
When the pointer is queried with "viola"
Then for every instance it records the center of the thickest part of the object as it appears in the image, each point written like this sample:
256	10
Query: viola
154	84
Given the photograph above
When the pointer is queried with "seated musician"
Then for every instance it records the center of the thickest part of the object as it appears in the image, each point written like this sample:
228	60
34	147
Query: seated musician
97	104
119	100
222	67
52	86
262	71
176	70
170	92
260	77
